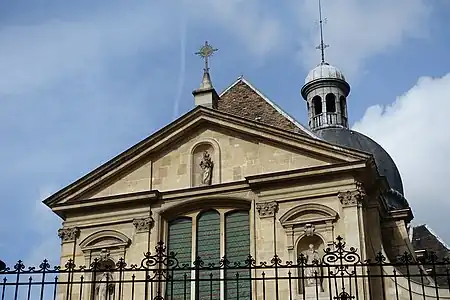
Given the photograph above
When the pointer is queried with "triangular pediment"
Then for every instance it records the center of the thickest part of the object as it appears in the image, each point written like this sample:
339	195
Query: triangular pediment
169	159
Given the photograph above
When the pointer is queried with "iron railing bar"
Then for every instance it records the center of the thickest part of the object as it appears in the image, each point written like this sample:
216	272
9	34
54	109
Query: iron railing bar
29	288
356	281
3	288
81	287
55	287
396	285
132	286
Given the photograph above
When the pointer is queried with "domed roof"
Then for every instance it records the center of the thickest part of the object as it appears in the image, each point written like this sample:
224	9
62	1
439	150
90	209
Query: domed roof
324	71
385	164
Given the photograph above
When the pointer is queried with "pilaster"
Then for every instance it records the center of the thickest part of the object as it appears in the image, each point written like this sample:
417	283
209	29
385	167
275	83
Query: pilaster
352	203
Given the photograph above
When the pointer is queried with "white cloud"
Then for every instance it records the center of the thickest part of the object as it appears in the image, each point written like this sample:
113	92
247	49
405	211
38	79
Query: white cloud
252	24
414	130
37	55
358	30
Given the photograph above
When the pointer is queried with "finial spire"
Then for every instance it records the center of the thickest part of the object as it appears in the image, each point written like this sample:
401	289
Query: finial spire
322	45
206	95
205	52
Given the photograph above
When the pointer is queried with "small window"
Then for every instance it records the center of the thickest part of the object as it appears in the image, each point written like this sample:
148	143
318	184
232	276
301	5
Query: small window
331	103
317	105
343	105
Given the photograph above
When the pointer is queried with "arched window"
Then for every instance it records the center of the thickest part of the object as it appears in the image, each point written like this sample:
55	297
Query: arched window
317	105
237	249
343	105
208	249
180	242
331	102
210	243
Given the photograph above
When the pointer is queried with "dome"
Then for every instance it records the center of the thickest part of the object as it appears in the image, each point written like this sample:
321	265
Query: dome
324	71
385	164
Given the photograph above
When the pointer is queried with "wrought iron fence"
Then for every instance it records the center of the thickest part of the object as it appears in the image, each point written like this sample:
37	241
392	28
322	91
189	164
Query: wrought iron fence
338	274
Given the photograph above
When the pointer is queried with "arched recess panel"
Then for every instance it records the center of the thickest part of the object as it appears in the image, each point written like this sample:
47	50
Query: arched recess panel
237	250
317	105
331	103
180	242
208	250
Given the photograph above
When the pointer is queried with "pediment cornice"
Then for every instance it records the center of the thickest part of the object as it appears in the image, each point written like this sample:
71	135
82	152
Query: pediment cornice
196	120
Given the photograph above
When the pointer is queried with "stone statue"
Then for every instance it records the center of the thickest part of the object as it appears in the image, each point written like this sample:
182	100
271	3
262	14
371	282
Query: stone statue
207	165
104	286
313	265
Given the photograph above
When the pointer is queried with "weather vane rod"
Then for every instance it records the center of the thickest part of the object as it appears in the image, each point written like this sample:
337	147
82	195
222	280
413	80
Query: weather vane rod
206	51
322	45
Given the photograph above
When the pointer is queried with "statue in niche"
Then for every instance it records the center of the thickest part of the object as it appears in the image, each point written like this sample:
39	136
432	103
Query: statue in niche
207	166
105	286
313	266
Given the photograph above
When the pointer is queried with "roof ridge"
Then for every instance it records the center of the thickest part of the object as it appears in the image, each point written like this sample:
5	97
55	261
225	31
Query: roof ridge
271	103
437	237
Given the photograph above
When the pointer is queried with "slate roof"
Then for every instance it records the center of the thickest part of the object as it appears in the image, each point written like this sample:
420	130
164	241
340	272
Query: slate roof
242	99
424	238
385	164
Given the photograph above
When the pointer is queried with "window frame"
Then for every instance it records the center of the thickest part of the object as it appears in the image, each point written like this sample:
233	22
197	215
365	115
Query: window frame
194	216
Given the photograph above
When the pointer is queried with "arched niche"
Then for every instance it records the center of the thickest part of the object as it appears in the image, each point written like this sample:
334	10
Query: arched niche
311	249
205	154
104	247
306	220
112	242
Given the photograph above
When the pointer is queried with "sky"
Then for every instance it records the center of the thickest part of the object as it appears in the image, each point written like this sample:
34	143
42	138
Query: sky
81	81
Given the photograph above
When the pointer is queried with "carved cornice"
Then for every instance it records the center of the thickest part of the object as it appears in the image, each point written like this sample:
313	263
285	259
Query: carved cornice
352	198
267	209
68	234
143	224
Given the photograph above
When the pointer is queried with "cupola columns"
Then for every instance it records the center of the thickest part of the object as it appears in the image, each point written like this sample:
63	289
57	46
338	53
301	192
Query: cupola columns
206	95
325	91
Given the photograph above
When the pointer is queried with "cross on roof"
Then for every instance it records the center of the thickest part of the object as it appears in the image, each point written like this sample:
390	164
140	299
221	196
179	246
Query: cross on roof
205	52
322	46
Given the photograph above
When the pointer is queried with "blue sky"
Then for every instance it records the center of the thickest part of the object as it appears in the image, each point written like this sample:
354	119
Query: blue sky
82	81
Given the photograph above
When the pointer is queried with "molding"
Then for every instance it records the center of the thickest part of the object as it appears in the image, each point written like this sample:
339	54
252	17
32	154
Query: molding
139	198
212	202
329	214
267	209
201	192
178	130
404	214
69	234
263	180
89	243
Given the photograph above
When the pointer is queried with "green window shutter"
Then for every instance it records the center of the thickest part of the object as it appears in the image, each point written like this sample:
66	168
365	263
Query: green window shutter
237	249
208	249
180	242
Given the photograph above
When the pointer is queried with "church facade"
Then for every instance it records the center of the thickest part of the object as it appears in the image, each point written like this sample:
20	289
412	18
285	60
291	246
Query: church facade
237	176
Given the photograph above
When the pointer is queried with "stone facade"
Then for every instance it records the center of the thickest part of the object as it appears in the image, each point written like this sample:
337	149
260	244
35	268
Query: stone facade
301	193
